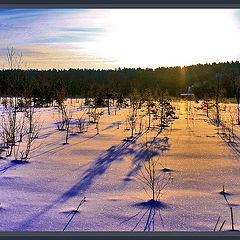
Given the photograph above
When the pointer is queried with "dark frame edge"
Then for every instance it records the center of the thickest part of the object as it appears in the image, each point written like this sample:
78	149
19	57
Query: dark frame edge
114	5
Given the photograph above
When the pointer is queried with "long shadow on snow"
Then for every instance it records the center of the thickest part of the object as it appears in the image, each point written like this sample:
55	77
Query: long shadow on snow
115	124
234	146
161	145
12	164
62	147
114	153
99	167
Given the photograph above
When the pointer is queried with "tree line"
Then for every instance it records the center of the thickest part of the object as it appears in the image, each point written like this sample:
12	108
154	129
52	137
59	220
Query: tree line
45	86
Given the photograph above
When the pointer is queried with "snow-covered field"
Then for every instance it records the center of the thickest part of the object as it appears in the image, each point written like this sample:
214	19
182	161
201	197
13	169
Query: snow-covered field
42	195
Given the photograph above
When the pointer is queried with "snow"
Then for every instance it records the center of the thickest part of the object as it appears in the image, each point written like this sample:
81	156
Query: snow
42	194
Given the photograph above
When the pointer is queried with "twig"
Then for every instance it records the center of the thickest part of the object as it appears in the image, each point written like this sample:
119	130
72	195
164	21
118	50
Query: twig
232	218
74	212
222	226
216	224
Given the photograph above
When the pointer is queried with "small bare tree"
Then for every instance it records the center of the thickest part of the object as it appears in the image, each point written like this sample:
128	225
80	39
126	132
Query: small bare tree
14	60
153	178
132	120
21	131
236	88
218	77
30	137
61	117
67	129
9	125
81	122
164	111
67	116
29	112
96	115
207	105
141	125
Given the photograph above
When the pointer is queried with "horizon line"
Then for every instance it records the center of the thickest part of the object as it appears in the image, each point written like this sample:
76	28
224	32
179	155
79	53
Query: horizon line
122	68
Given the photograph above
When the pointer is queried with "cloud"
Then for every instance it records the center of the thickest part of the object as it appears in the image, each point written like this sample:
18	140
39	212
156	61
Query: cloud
28	26
84	30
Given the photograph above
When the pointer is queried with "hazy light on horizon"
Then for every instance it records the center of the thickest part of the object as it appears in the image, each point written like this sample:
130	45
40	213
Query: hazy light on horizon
112	38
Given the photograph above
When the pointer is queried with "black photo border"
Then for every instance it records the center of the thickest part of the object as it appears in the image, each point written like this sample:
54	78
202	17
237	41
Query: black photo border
177	4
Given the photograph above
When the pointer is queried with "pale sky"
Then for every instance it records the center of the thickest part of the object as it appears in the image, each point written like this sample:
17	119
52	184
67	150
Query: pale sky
112	38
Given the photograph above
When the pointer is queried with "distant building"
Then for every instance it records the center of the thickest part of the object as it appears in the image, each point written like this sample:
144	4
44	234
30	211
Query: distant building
186	94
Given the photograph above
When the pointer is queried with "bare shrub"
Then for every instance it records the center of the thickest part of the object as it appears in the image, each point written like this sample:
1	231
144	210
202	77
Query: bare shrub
31	136
23	149
81	122
96	115
9	124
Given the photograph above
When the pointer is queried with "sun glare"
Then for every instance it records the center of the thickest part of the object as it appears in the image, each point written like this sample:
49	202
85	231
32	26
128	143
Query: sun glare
154	37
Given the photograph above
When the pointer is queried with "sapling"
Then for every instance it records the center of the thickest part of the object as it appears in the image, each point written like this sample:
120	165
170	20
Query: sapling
5	132
67	118
9	124
218	77
29	111
153	179
30	138
96	115
15	60
61	117
21	129
132	120
149	104
207	105
81	123
164	111
20	132
140	125
236	87
28	143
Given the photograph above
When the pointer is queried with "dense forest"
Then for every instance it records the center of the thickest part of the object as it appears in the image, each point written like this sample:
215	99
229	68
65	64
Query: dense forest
47	85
